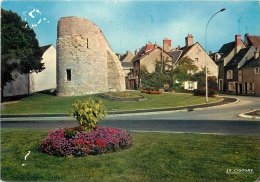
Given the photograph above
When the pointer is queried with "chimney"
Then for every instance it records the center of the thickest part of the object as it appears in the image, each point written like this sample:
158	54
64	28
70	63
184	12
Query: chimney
167	44
189	40
238	43
136	51
256	55
149	46
246	39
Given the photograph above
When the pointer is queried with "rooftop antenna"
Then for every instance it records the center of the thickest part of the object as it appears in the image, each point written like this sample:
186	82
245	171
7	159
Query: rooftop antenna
239	21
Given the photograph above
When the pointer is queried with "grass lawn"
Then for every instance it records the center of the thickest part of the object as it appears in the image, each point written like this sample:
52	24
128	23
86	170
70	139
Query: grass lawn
43	103
153	157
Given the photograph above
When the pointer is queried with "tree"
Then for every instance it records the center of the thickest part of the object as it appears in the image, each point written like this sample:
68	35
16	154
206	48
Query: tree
200	78
157	79
20	48
184	70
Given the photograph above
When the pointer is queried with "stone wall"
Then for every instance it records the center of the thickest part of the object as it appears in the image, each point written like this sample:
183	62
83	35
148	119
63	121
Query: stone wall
83	49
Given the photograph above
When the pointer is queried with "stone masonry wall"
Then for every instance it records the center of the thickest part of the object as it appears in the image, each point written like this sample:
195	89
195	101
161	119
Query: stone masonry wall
83	49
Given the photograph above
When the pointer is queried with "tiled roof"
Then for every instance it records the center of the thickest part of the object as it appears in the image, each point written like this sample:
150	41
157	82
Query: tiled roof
226	49
175	54
254	40
127	64
146	50
139	54
185	49
238	57
127	57
252	63
44	48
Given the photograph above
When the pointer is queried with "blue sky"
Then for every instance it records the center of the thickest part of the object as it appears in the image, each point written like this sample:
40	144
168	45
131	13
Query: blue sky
128	25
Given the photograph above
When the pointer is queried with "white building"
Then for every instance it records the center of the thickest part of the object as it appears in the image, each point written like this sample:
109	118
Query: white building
35	82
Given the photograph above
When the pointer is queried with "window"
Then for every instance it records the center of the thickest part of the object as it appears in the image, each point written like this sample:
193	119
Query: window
257	70
251	86
231	86
68	71
240	75
196	59
229	74
87	43
190	85
220	84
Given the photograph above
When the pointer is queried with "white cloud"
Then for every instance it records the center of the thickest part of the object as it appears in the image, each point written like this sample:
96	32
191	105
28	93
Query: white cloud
31	13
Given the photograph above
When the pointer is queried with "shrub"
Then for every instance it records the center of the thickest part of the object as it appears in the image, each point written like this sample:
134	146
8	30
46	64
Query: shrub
198	92
88	113
101	140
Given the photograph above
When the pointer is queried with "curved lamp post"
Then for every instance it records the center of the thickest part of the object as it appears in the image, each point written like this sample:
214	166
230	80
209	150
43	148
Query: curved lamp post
206	66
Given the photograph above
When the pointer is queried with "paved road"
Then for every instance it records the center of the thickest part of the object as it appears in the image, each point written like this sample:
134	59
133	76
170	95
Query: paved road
223	112
219	120
190	126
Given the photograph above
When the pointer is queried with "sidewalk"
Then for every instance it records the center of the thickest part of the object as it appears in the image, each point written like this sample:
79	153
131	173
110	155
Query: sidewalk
226	100
251	114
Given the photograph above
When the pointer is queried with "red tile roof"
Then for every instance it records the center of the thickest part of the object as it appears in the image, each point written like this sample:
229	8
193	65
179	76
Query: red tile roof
254	40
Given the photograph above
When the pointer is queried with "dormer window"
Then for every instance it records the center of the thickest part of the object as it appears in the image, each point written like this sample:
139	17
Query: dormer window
229	74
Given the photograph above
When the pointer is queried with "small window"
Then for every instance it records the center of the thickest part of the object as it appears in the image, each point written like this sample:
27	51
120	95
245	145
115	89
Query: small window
251	86
229	74
68	71
87	43
257	70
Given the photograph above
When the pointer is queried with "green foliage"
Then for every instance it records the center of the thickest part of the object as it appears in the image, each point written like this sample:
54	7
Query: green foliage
88	113
184	65
175	157
157	79
20	48
69	133
212	83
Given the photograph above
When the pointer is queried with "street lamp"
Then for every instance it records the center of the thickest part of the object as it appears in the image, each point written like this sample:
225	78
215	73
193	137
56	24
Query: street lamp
206	66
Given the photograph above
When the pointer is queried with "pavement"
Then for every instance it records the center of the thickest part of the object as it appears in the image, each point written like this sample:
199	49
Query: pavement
214	118
225	101
255	114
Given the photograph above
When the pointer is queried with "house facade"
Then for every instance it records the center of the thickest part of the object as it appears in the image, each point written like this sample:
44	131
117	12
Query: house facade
46	79
196	52
148	56
233	72
250	72
227	52
35	82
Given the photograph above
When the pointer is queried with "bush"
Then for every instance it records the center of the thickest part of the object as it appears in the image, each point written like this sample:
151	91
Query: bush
60	142
88	113
198	92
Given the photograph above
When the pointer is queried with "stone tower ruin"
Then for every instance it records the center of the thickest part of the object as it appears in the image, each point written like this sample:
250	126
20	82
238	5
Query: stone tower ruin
86	63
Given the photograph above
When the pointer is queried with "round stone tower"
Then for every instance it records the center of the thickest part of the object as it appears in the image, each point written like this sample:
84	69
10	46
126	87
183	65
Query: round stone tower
85	62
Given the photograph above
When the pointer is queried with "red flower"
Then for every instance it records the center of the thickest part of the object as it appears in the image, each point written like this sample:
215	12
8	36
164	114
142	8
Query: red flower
100	143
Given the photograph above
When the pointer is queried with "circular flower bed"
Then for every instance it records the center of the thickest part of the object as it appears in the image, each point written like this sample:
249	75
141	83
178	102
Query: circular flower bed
77	142
122	96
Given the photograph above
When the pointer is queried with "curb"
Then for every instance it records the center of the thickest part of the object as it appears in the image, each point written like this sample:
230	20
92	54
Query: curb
245	115
225	101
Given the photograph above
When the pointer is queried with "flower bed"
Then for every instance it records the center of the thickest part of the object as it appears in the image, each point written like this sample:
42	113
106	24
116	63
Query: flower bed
151	92
77	142
122	96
